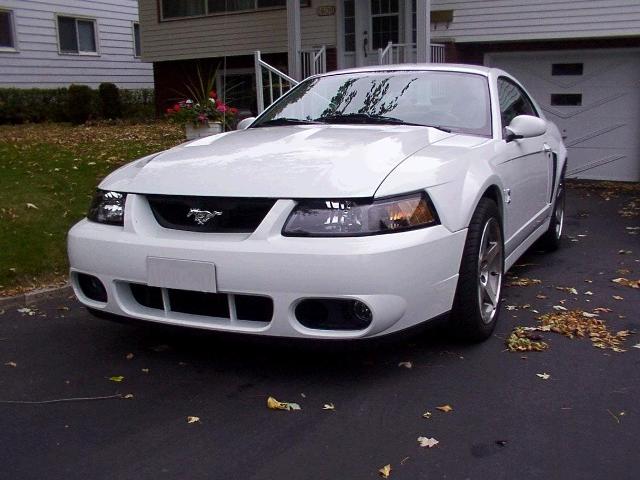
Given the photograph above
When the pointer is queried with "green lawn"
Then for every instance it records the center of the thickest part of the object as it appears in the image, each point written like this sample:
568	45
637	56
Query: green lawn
48	173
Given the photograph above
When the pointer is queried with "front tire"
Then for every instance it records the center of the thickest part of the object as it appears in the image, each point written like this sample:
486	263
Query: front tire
476	305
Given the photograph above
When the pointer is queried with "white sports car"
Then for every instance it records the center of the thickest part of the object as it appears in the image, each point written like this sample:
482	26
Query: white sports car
361	203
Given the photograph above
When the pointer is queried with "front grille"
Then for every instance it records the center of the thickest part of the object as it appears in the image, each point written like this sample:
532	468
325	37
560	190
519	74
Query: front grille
209	214
251	308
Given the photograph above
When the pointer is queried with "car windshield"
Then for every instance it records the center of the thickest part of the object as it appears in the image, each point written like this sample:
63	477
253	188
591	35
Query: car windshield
451	101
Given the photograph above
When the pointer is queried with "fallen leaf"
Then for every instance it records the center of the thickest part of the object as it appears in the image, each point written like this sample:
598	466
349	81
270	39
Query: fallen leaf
501	443
617	297
636	346
116	378
544	376
588	292
128	396
521	340
445	408
589	315
626	282
274	404
31	205
144	370
328	406
428	414
559	307
523	282
625	252
385	471
541	297
427	442
129	356
568	289
192	419
11	364
405	364
27	311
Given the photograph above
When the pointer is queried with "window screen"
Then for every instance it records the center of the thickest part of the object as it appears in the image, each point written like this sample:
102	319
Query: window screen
6	30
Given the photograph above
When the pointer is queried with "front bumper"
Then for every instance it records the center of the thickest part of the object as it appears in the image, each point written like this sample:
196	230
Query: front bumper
404	278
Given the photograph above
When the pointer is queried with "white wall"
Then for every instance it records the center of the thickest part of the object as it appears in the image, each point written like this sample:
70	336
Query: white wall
37	62
513	20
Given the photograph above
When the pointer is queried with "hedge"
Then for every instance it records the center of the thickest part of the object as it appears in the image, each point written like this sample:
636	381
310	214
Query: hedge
75	104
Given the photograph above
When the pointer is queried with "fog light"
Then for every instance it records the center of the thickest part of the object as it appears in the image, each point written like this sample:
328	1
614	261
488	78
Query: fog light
361	312
92	287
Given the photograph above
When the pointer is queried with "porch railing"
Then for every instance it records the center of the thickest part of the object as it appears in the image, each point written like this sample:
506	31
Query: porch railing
314	61
406	53
277	82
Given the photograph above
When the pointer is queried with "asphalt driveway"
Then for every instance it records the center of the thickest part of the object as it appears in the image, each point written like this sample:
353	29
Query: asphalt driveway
507	422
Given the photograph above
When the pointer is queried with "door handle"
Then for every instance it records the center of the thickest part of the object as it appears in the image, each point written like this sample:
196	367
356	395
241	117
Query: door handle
546	148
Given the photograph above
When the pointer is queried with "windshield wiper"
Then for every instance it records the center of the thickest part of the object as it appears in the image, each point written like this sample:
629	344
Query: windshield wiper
374	119
274	122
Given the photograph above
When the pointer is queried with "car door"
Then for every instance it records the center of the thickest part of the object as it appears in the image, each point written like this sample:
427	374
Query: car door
525	168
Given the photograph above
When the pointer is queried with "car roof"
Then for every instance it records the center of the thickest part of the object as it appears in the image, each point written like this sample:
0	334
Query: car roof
441	67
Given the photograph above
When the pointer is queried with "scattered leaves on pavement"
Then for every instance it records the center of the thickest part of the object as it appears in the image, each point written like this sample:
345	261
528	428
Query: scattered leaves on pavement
385	471
523	282
574	323
522	340
445	408
116	378
543	376
274	404
568	289
626	282
427	442
27	311
193	419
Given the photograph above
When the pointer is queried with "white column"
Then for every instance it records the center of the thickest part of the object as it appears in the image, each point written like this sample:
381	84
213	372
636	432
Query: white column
423	31
408	31
293	38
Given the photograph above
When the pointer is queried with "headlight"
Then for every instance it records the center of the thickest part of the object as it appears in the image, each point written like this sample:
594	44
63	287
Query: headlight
350	218
107	207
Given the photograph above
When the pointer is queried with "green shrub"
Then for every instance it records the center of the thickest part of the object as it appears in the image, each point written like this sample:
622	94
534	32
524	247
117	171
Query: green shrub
80	104
33	105
77	103
110	105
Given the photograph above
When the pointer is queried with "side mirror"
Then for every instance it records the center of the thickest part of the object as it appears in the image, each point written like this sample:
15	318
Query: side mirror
525	126
244	123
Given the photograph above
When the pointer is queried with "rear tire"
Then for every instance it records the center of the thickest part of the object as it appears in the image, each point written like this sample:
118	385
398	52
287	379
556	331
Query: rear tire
476	304
550	240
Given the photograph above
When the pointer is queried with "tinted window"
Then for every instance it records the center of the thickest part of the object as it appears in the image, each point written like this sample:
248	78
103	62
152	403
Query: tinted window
513	101
6	30
182	8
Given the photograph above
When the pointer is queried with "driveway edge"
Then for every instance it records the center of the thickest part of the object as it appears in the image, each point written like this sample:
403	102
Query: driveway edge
29	298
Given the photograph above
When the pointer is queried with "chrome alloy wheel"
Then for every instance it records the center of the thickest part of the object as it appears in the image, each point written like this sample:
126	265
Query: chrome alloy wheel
490	270
559	209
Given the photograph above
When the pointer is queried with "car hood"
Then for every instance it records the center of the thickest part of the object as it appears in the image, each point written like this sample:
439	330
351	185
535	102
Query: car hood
279	162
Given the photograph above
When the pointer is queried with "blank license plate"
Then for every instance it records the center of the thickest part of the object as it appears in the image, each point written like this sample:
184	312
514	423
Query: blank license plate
181	274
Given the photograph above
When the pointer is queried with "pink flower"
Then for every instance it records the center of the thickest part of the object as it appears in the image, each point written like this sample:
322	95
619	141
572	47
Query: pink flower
233	111
202	118
222	108
213	94
176	107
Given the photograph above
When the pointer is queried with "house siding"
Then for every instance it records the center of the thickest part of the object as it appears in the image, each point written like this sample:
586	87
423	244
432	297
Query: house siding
230	35
37	62
519	20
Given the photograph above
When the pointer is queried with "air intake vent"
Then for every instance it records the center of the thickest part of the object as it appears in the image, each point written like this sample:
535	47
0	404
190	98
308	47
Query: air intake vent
210	214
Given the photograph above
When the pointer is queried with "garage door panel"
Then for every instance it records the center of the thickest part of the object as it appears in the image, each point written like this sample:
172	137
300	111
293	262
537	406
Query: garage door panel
597	108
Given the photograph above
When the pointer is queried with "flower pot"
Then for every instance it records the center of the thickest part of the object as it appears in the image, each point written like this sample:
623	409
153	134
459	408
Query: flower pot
202	130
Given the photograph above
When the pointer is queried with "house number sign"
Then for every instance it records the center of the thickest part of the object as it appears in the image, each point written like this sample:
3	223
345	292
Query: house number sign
326	10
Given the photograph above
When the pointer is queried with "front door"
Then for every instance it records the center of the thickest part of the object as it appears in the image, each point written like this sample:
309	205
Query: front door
368	25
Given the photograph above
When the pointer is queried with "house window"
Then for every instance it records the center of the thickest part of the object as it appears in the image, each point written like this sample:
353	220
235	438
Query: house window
385	22
7	34
566	99
137	50
349	26
573	69
77	35
197	8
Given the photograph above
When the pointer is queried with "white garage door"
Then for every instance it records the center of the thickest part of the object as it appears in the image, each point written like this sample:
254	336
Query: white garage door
594	98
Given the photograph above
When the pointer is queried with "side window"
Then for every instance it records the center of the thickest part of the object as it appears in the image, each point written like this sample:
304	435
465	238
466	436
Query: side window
513	101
